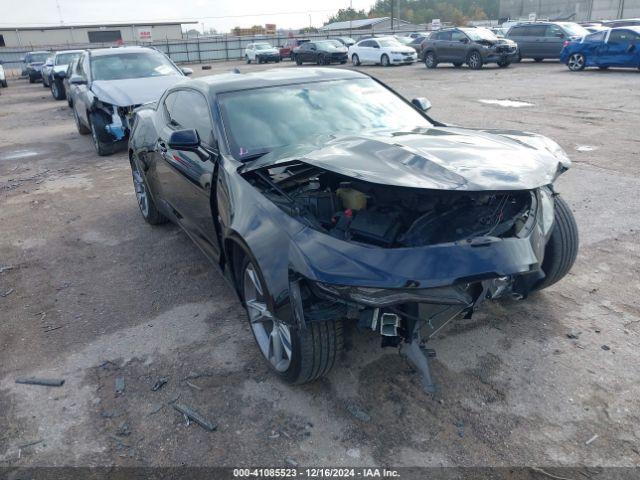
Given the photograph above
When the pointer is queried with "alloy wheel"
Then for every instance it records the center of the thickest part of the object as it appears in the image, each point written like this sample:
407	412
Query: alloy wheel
429	60
141	190
385	61
474	60
273	337
576	62
54	89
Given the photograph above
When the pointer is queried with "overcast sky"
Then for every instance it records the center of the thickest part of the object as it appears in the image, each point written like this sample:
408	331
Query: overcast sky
222	15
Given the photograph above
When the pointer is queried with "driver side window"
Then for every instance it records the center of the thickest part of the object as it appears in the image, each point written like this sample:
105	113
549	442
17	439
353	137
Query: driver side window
188	109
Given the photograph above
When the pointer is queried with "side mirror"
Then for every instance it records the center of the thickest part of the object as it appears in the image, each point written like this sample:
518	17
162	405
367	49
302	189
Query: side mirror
77	80
187	71
188	141
421	103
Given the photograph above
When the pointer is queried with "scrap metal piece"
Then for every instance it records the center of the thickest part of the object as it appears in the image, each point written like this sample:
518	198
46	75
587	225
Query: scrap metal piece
119	385
419	360
45	382
195	416
159	384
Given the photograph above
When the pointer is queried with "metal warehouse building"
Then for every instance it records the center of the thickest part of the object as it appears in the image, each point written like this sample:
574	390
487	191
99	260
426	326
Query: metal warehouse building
367	25
577	10
92	33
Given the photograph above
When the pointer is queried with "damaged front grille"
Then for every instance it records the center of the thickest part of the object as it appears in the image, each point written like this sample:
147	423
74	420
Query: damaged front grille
389	216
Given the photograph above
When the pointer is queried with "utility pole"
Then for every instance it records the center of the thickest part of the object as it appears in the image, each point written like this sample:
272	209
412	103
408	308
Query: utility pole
392	2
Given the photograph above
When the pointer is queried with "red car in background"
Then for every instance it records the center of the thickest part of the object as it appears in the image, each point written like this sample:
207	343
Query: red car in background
286	50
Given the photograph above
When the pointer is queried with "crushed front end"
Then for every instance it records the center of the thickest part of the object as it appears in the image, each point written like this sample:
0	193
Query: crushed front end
396	259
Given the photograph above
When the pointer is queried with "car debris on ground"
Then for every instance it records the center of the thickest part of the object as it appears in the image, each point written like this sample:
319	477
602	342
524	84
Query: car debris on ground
45	382
195	416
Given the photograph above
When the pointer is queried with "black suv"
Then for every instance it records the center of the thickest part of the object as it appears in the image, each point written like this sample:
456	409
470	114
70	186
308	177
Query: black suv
473	46
322	52
540	40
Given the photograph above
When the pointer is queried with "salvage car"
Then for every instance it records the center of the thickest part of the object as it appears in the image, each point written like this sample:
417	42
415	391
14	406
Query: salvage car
33	62
392	223
385	51
473	46
54	75
261	53
616	47
45	70
109	83
322	52
286	50
540	40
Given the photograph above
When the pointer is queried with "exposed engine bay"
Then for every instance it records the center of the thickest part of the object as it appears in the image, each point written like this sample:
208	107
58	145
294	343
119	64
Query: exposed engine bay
388	216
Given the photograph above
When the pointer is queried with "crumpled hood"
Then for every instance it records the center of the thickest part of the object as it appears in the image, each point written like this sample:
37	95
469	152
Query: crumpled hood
133	91
440	158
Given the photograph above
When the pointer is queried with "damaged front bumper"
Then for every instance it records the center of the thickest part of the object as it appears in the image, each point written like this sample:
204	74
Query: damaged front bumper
117	121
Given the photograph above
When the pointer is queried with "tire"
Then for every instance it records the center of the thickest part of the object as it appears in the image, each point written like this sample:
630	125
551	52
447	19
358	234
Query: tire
4	83
576	62
32	79
562	247
518	59
430	60
538	60
504	63
384	60
246	57
96	121
69	102
278	60
298	60
57	90
355	60
457	64
320	60
147	206
474	60
311	352
82	129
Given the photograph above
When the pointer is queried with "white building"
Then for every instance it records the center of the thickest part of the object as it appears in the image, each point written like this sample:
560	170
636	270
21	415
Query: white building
70	35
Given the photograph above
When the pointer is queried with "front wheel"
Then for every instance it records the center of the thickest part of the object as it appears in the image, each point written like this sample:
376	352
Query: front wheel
32	79
355	60
384	60
57	90
576	62
296	355
146	204
247	59
474	61
298	60
97	124
562	248
430	60
4	83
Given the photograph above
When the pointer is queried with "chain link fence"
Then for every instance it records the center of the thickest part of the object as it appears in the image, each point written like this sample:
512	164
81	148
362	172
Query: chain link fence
193	50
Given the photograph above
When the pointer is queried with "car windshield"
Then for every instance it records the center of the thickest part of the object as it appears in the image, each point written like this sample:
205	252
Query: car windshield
389	42
257	121
329	43
263	46
66	58
37	57
477	34
575	30
131	65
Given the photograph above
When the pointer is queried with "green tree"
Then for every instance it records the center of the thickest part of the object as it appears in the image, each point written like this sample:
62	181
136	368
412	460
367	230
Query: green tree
346	14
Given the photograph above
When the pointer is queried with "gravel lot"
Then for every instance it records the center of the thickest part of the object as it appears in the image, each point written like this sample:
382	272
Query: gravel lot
92	293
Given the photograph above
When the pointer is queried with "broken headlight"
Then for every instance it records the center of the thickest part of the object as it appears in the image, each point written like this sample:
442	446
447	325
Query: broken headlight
381	297
547	213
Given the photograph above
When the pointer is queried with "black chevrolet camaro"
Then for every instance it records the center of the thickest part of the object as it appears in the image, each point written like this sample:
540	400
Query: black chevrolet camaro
331	202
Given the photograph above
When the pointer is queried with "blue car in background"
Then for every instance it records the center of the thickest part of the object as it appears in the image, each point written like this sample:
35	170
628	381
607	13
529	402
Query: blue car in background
617	47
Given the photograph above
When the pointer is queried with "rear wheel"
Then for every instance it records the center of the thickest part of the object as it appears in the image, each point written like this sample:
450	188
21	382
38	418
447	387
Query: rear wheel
298	60
32	79
474	60
355	60
562	248
430	60
576	62
384	60
145	202
294	354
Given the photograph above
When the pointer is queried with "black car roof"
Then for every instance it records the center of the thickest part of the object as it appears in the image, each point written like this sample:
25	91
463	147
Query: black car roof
229	82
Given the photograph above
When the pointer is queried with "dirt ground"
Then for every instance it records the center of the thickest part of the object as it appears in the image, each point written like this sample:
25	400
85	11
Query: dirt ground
90	293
